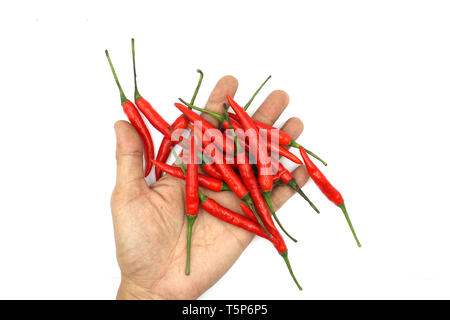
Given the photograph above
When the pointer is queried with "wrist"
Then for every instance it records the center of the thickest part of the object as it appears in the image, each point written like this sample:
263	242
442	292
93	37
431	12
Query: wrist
129	290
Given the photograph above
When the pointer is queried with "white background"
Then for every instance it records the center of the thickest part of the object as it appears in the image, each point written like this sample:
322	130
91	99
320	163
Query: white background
370	79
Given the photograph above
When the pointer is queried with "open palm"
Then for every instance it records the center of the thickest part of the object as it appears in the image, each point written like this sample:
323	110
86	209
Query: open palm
150	223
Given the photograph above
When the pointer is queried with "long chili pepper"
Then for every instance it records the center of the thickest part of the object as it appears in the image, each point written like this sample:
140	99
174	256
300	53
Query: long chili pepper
136	120
245	169
248	177
235	184
327	189
145	107
272	146
218	211
265	178
284	175
180	123
215	209
192	197
233	181
209	183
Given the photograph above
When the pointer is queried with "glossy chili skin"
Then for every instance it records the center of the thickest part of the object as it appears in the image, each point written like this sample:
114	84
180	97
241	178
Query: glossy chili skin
163	153
136	120
253	188
248	212
264	164
166	144
271	146
192	200
224	214
320	180
283	138
208	167
228	175
153	116
211	133
212	170
209	183
284	174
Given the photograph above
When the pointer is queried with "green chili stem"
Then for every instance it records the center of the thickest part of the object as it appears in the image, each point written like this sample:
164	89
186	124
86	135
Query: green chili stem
137	95
288	264
266	196
225	187
293	184
312	154
251	205
198	86
248	200
179	161
212	113
123	98
344	210
191	220
257	91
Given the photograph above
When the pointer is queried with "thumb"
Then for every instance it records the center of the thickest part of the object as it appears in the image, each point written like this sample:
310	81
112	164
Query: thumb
129	152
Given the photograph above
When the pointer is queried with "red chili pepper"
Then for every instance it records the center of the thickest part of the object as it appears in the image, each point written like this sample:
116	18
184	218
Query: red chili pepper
146	108
179	124
327	189
224	214
283	138
136	120
231	178
213	208
263	161
192	197
273	146
209	183
246	171
166	144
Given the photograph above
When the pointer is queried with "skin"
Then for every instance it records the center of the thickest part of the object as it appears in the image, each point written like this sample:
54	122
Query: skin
150	225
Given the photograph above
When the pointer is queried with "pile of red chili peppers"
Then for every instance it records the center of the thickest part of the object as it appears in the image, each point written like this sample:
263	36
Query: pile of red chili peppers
240	156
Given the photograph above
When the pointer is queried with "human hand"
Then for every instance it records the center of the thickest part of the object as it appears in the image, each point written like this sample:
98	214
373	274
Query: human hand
150	223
